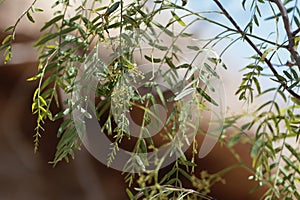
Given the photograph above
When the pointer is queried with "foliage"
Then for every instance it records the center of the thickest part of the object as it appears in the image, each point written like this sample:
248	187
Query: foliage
66	44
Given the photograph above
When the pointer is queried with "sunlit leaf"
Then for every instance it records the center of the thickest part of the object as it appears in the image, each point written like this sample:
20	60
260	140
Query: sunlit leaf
178	19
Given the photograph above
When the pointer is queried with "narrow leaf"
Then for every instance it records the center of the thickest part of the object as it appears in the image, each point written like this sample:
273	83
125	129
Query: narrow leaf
29	16
9	28
6	39
52	21
184	93
206	96
178	19
194	48
266	52
151	59
112	8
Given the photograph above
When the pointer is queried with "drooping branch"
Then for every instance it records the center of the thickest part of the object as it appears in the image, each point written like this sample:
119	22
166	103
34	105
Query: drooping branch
249	41
288	30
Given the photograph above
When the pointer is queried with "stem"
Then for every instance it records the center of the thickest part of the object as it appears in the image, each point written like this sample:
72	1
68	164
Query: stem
21	17
288	30
120	37
296	31
267	61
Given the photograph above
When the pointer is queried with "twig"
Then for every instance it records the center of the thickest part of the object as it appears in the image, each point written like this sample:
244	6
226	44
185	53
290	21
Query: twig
288	30
20	18
296	32
267	61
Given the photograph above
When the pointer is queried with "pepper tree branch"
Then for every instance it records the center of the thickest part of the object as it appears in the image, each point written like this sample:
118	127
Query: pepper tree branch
288	30
249	41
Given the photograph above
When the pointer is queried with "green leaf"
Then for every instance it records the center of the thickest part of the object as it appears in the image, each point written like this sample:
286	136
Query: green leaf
143	145
67	137
128	64
293	151
186	35
184	93
29	16
291	164
296	101
67	30
8	56
151	59
51	66
206	96
256	20
186	175
45	38
73	19
130	20
170	63
185	65
100	8
243	4
297	21
246	126
256	147
162	48
280	78
265	104
173	181
114	25
178	19
296	40
168	175
290	9
161	96
194	48
112	8
234	140
6	39
163	28
287	74
266	52
42	101
130	195
211	71
9	28
38	10
52	21
33	78
257	84
63	126
279	14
